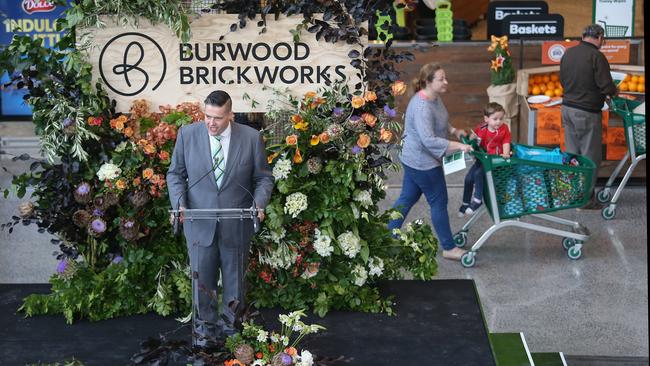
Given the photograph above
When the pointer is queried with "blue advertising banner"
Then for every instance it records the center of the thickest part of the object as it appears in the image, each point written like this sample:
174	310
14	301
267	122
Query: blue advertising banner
34	18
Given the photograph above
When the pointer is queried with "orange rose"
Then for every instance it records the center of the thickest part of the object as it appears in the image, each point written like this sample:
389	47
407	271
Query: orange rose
296	118
324	137
297	158
163	155
369	119
147	173
119	125
128	132
155	179
370	96
310	94
398	88
385	135
142	142
149	149
136	181
314	140
122	118
291	140
363	141
358	102
120	184
291	351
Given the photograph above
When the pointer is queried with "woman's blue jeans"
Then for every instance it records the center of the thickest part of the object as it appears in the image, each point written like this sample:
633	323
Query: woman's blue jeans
432	183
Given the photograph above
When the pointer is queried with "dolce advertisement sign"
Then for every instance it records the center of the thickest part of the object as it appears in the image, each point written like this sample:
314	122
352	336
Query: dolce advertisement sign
544	26
498	10
151	63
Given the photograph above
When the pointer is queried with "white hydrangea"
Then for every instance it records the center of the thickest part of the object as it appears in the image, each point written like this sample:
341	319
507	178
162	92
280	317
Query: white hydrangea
262	335
305	358
360	275
282	168
375	266
296	203
108	171
363	197
322	244
349	243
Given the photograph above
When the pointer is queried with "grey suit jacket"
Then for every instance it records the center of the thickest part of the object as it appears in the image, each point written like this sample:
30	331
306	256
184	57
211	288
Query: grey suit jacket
246	169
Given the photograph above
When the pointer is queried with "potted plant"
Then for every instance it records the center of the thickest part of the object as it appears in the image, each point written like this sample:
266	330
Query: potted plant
503	88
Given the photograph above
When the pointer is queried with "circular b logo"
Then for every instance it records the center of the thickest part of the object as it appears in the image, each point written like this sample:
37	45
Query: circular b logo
555	52
131	62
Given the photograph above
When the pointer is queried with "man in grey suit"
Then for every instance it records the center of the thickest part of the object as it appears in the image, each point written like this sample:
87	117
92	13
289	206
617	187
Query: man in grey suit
218	164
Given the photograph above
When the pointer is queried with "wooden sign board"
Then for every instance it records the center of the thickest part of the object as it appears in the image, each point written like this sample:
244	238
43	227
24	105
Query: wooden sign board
150	62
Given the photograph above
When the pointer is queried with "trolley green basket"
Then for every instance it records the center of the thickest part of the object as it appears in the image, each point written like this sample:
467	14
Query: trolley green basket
635	136
515	188
614	30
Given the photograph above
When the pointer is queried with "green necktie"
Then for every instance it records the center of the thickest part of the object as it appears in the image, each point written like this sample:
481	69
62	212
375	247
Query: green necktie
218	160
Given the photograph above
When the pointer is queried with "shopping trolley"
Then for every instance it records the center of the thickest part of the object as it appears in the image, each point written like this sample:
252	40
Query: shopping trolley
516	188
614	30
634	125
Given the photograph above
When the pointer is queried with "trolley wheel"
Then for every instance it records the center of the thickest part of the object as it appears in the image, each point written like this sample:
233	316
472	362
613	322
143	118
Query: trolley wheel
574	253
568	243
468	260
460	239
604	196
608	212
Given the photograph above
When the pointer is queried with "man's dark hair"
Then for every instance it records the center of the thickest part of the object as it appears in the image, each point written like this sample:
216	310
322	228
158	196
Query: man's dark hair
593	31
218	98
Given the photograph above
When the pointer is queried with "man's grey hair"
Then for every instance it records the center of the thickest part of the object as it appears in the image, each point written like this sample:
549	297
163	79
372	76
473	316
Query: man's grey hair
593	31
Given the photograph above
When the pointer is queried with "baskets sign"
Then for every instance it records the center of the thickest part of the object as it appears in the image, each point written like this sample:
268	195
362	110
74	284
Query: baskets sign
546	26
499	10
151	63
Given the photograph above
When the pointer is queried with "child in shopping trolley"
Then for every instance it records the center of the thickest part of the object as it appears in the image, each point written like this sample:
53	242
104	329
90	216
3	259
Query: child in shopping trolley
493	136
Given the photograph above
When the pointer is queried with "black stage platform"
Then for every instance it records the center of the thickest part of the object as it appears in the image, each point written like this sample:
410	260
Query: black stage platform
437	323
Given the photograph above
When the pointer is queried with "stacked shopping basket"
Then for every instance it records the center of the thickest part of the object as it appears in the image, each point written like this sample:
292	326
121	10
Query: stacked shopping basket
634	124
517	187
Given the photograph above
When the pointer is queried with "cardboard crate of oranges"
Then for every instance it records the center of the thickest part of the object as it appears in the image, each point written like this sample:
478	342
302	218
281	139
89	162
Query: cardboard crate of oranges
546	80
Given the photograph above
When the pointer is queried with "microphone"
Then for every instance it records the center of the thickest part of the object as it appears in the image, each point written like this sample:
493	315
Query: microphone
176	222
255	218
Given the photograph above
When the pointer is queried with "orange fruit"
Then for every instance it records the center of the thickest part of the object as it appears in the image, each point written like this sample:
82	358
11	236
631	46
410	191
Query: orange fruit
536	90
640	88
558	92
632	86
550	85
542	87
642	79
627	77
634	79
546	78
530	89
549	93
555	77
537	79
623	86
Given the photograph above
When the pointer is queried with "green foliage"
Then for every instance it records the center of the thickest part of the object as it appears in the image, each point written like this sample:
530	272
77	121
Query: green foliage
324	243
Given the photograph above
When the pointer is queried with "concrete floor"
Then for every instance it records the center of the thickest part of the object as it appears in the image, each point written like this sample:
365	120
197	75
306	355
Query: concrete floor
593	306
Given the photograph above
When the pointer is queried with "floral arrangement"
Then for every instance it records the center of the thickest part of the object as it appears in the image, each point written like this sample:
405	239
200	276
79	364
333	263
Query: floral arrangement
324	243
110	213
501	70
255	346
